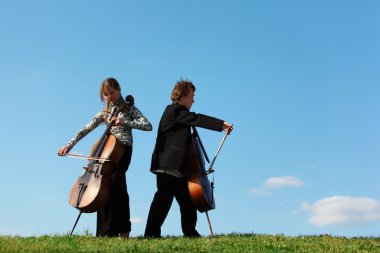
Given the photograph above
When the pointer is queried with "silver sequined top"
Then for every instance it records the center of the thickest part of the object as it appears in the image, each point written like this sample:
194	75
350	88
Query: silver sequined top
132	117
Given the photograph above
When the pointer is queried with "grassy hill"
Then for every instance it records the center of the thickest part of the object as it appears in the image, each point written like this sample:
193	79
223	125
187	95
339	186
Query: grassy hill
221	243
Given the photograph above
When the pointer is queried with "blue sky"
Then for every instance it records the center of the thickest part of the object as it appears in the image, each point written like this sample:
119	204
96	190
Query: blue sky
299	80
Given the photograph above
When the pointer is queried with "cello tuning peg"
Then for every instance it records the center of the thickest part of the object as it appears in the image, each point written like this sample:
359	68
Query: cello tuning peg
130	99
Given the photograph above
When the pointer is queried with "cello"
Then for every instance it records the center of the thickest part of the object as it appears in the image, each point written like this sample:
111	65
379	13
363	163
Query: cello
92	189
201	190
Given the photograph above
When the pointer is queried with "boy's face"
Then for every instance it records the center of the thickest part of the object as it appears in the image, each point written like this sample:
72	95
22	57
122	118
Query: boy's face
188	100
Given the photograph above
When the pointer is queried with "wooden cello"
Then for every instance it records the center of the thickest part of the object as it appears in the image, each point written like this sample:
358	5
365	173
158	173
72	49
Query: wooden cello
201	190
92	189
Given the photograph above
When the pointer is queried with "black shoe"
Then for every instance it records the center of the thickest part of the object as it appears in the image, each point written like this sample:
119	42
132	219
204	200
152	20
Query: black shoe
194	234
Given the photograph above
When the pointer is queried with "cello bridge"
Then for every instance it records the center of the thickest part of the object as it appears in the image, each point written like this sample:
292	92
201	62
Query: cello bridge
208	172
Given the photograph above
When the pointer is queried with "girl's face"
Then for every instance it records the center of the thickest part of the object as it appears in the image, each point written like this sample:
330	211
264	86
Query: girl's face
110	94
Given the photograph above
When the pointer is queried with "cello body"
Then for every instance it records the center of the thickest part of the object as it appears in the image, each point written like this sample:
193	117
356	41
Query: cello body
200	188
92	189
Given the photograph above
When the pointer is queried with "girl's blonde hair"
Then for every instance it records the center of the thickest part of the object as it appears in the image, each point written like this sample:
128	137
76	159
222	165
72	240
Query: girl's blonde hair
109	82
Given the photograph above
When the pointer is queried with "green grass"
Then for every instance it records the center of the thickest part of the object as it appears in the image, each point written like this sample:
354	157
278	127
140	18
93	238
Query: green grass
221	243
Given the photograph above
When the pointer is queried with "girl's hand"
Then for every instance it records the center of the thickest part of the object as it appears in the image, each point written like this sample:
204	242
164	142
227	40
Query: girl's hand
63	151
117	121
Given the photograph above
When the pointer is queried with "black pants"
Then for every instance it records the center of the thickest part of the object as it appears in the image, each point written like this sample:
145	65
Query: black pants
169	187
114	217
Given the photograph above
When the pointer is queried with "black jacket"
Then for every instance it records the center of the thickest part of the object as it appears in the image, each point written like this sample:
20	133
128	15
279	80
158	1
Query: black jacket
173	137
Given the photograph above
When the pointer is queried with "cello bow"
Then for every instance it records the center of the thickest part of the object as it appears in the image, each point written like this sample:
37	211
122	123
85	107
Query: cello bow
211	169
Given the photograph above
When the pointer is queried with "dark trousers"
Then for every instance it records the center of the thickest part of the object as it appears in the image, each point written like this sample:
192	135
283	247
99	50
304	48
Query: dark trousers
169	187
114	217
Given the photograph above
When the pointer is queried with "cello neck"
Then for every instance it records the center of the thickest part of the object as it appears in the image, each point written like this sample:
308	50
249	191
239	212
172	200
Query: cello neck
103	139
195	132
